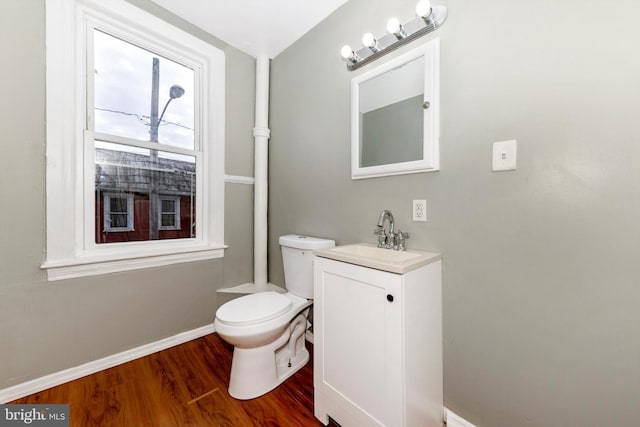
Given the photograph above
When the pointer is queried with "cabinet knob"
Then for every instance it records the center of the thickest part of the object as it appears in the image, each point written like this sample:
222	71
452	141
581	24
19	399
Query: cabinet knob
389	297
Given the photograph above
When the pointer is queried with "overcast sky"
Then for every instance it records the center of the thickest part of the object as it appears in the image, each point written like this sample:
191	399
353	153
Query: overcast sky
123	85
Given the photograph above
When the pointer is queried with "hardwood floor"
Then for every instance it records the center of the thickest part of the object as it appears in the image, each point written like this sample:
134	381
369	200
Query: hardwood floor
182	386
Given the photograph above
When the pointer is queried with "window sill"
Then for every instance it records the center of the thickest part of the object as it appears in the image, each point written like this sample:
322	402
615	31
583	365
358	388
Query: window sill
93	266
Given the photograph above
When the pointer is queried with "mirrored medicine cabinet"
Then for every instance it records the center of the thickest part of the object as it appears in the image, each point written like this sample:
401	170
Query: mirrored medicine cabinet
394	115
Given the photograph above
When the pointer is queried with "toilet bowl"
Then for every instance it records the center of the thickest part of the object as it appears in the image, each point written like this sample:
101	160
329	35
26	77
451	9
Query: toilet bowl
267	329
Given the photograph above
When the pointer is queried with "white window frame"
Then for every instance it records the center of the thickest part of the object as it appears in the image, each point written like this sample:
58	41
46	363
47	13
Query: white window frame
107	211
176	212
71	248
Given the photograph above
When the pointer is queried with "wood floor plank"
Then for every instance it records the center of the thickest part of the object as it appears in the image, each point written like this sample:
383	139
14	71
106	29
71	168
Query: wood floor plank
156	391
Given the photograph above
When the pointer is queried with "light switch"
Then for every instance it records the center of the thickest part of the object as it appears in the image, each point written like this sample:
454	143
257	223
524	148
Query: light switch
504	155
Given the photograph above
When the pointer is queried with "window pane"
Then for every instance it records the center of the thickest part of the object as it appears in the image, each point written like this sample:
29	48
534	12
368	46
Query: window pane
118	220
145	174
124	89
118	204
168	220
168	206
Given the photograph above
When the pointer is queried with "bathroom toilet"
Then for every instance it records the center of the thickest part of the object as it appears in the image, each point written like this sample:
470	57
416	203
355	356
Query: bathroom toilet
267	329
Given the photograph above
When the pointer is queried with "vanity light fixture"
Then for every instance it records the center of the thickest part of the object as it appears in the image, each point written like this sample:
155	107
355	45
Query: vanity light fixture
429	18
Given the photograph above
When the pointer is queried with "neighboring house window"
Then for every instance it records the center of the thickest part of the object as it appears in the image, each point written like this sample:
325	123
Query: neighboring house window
118	212
135	111
169	213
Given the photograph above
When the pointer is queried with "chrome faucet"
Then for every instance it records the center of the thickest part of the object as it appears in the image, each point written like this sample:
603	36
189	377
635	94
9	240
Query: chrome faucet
385	214
389	240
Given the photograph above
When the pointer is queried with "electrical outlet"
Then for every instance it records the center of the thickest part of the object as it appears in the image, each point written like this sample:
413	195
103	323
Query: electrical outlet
419	210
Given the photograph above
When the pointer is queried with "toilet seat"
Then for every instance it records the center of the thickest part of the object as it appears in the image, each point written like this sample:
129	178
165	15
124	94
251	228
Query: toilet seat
253	309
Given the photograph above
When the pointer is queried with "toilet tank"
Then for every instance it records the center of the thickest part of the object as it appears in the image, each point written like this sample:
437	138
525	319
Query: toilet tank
297	259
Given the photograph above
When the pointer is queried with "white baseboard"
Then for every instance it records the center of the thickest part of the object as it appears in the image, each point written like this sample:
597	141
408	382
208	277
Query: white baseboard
57	378
454	420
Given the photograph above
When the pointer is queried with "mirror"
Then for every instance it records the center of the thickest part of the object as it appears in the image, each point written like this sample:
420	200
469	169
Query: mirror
394	116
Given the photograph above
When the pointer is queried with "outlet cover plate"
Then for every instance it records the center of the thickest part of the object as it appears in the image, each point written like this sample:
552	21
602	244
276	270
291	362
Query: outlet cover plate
504	155
420	210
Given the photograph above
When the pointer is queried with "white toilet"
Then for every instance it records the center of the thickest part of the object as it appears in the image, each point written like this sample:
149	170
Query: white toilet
268	328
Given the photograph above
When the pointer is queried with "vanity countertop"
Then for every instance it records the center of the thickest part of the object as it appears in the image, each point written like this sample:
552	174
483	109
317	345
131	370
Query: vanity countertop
367	255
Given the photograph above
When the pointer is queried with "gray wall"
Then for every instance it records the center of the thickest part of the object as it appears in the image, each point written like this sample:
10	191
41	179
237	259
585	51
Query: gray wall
540	270
45	326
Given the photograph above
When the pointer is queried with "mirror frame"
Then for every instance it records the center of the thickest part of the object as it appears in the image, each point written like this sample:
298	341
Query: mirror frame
431	132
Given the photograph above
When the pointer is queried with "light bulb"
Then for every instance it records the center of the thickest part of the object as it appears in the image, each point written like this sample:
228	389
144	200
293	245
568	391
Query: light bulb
423	9
346	52
368	40
393	26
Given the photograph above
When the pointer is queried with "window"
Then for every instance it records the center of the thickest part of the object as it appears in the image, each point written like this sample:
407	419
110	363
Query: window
118	212
135	127
169	213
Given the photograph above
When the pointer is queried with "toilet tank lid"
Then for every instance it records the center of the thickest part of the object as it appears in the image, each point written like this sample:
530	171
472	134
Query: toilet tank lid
305	242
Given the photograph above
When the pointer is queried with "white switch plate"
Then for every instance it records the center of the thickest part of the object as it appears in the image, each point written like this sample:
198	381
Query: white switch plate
504	155
420	210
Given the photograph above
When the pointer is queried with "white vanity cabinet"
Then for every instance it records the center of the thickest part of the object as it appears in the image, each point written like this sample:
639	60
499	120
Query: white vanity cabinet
378	345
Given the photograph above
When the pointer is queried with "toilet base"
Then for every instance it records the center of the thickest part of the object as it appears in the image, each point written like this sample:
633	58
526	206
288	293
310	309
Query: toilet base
257	371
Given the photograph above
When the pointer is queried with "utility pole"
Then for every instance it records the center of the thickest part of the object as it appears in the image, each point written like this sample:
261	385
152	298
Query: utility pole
153	136
175	92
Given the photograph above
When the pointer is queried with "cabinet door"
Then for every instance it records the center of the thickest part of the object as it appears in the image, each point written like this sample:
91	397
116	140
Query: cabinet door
358	339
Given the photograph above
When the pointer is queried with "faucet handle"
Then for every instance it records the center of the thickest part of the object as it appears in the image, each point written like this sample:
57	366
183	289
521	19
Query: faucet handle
401	236
382	236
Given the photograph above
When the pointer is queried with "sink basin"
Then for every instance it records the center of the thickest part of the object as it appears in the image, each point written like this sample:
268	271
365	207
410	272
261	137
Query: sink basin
366	255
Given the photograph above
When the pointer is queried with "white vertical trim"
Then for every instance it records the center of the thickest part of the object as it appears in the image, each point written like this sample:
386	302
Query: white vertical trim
454	420
34	386
61	126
